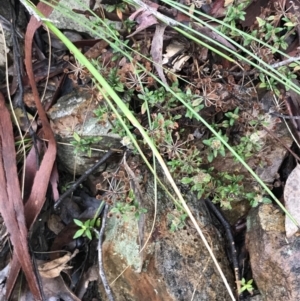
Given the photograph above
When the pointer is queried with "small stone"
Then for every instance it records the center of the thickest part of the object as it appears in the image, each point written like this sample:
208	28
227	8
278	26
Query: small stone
275	261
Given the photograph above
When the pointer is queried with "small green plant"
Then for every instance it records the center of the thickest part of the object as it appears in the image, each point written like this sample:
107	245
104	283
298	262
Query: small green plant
234	13
128	208
116	7
177	222
84	144
228	188
125	210
199	183
187	164
269	30
215	147
287	73
86	228
269	83
257	198
248	146
128	24
232	116
114	80
66	186
246	286
152	98
195	101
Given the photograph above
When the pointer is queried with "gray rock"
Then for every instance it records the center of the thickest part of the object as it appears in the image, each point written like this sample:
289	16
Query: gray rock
174	265
74	113
275	261
65	18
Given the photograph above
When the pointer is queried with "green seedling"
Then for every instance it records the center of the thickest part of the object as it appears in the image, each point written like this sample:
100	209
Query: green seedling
246	286
126	210
177	223
233	116
234	14
86	228
114	80
195	101
66	186
228	188
198	183
248	146
288	73
256	199
84	144
120	7
215	147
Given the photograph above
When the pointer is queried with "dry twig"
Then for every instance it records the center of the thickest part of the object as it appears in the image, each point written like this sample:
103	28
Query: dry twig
100	256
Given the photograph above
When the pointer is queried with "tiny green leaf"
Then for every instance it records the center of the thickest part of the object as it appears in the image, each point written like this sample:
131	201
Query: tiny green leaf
88	234
76	137
78	233
186	180
260	21
78	222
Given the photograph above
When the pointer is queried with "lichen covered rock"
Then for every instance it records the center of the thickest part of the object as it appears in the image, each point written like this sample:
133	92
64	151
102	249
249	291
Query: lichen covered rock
173	265
275	261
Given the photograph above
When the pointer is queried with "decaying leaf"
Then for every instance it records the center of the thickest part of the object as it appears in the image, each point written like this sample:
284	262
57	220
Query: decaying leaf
22	121
174	52
95	51
218	8
227	2
55	224
54	178
11	206
292	200
53	268
53	289
156	50
92	274
144	18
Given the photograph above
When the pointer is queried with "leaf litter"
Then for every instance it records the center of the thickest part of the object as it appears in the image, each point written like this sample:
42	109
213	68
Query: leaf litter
291	200
211	83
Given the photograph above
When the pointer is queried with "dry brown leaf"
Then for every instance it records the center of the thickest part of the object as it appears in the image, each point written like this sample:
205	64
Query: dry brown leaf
218	9
95	51
156	50
92	274
54	178
292	201
36	199
52	269
227	2
208	32
32	167
144	18
55	224
22	121
53	289
175	47
11	203
56	289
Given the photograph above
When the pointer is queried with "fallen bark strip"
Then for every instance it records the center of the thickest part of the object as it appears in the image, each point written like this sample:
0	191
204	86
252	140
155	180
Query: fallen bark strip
11	203
40	184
